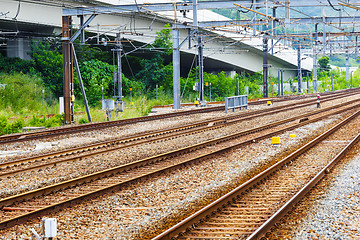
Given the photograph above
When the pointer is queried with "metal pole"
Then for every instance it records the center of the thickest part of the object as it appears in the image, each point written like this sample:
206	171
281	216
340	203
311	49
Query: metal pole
210	92
119	74
315	60
201	70
43	102
176	68
351	79
332	82
67	69
81	86
299	70
156	92
254	18
273	30
279	84
82	35
307	82
324	36
282	82
347	66
265	66
237	87
195	8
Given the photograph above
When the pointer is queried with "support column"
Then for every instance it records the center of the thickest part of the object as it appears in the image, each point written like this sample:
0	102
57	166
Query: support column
67	70
315	60
282	82
307	82
237	87
299	69
82	35
273	31
332	82
347	66
119	72
201	70
176	68
265	66
279	83
324	36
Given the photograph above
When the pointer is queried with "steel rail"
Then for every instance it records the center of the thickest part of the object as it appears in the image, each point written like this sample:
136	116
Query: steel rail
17	137
202	214
264	228
110	172
221	122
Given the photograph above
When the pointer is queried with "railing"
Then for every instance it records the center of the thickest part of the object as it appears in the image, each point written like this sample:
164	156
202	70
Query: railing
240	102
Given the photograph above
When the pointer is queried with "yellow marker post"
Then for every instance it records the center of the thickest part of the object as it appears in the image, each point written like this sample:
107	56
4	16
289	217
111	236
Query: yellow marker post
275	140
293	135
268	103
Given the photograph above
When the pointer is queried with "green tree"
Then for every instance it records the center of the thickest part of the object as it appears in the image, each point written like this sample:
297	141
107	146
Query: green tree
324	65
47	60
154	70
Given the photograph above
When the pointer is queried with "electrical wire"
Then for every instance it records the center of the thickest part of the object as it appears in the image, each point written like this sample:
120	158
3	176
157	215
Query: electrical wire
18	11
336	9
252	4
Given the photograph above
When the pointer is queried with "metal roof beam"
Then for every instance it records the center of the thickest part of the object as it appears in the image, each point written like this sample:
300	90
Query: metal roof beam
249	22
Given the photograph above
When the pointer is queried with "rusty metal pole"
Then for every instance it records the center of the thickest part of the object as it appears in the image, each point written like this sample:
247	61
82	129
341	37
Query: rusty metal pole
67	70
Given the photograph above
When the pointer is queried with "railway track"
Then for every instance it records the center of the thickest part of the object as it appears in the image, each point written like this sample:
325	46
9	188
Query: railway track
160	135
45	160
252	209
19	208
94	126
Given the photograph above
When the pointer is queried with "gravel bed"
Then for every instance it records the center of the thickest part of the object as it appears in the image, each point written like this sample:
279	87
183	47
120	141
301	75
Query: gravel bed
331	210
140	209
27	181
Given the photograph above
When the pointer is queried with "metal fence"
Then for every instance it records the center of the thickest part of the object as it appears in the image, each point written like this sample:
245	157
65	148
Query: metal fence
240	102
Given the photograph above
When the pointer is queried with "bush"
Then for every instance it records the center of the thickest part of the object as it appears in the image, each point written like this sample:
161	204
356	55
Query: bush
83	120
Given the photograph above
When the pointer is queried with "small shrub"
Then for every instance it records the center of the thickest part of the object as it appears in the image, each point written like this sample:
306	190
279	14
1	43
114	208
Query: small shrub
83	120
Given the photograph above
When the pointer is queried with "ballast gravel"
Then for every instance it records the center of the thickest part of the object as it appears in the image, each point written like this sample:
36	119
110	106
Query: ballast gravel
140	210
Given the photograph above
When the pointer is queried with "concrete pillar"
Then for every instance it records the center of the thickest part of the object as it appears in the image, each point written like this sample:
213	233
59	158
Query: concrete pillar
176	68
19	47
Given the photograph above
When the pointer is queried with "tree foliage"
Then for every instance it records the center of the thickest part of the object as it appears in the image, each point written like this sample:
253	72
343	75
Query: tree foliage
324	65
47	61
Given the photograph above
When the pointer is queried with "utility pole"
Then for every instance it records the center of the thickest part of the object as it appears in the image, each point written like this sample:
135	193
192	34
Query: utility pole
68	87
279	84
299	69
282	82
237	86
307	82
119	74
347	65
315	59
273	31
332	82
201	70
265	66
200	53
